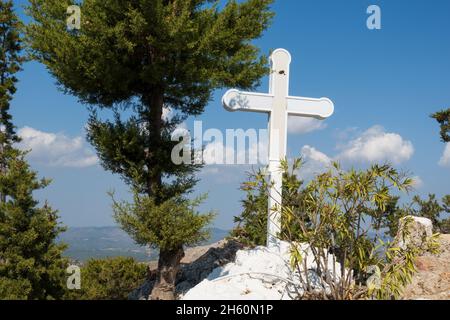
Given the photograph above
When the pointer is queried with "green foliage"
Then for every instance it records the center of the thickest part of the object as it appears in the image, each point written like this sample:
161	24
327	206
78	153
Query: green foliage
251	228
141	57
399	265
144	55
340	207
432	209
14	289
10	63
168	225
31	265
443	117
341	213
445	226
137	58
389	218
127	49
109	279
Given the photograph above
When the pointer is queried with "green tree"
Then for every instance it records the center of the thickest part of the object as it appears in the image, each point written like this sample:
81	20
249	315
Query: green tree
445	224
433	209
10	63
31	266
388	218
137	58
251	224
109	279
443	117
31	263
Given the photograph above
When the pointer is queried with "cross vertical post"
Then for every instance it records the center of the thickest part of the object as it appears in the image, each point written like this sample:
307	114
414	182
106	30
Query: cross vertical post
279	88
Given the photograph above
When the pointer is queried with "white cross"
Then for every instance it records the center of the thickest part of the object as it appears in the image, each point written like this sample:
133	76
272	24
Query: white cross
278	105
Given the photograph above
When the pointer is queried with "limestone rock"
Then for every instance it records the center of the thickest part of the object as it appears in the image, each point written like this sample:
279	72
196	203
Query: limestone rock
261	274
197	264
201	266
432	280
413	231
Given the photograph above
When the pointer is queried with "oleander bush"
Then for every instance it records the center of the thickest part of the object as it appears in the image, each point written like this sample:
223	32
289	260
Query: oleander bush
348	216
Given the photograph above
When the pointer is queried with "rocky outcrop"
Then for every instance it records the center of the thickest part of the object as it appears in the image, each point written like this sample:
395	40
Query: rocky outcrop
204	266
197	264
432	280
201	265
265	273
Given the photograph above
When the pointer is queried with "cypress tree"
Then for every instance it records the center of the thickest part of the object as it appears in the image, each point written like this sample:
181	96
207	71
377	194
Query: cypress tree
136	58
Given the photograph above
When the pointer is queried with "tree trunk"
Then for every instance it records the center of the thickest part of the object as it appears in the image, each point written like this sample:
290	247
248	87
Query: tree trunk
168	267
169	260
153	115
2	169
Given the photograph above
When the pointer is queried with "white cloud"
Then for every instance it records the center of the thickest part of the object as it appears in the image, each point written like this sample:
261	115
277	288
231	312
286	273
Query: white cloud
445	159
417	182
311	153
315	162
376	145
302	125
56	149
372	146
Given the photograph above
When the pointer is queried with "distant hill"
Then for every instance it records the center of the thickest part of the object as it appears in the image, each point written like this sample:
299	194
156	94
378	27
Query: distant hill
102	242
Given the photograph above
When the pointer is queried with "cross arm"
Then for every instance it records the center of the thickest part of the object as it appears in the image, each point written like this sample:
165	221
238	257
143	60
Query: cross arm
235	100
309	107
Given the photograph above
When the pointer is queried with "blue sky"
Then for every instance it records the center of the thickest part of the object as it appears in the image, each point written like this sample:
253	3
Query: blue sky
384	84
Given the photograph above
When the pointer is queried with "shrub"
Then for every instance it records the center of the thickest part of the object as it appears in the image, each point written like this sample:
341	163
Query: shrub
251	224
342	208
432	209
342	215
109	279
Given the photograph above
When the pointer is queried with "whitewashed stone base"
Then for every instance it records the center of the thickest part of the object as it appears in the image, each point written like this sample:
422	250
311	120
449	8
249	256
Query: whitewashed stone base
258	274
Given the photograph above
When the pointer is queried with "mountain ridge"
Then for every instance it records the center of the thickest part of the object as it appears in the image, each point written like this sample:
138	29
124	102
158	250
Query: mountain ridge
110	241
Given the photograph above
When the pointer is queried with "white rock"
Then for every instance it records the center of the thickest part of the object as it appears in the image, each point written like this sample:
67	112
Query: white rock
259	274
419	230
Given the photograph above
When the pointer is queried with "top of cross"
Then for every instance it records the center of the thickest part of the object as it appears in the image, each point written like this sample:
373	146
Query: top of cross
235	100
